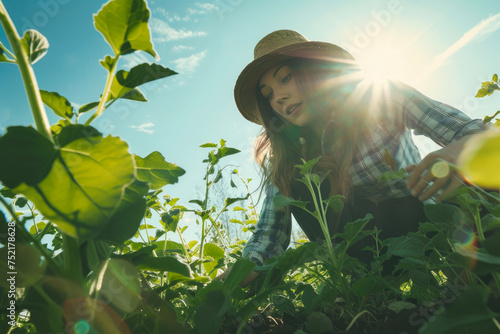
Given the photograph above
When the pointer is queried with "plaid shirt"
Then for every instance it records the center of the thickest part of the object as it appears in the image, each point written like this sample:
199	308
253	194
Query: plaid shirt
401	110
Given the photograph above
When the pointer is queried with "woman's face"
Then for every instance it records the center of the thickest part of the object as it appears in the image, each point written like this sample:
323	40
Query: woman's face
279	87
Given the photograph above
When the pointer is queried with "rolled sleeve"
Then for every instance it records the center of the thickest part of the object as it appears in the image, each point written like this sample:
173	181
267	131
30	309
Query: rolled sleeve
272	232
436	120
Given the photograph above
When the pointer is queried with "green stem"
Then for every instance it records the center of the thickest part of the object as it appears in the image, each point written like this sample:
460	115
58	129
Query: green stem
204	208
105	95
72	258
183	244
28	75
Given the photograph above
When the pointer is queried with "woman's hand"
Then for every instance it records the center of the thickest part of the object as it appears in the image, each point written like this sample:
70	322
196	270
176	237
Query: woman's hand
433	174
253	275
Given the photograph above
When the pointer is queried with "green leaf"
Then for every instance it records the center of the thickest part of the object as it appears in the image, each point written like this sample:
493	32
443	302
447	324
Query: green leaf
216	253
241	269
405	246
6	192
230	201
226	151
74	132
488	119
141	74
445	213
352	229
476	254
35	45
40	226
3	57
94	170
59	104
469	314
108	62
171	219
495	77
21	201
482	92
155	170
26	155
125	81
124	25
209	145
318	323
393	175
492	244
211	312
88	107
164	263
400	305
336	202
135	94
128	216
306	167
280	201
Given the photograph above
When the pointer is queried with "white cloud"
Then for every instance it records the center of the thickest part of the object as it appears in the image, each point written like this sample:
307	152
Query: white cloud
189	64
180	48
163	32
479	32
207	7
144	127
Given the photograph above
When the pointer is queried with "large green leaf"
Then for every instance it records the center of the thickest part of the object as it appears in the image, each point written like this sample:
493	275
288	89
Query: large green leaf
155	170
405	246
124	25
164	263
125	81
128	216
78	186
209	315
35	45
216	253
469	314
59	104
26	157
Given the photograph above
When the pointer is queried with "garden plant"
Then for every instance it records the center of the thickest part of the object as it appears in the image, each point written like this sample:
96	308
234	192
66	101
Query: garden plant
82	252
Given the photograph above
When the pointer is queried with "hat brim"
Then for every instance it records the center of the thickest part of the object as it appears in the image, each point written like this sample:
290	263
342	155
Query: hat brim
244	90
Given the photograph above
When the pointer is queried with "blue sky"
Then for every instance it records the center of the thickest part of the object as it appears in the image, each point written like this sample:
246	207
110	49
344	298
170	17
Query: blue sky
444	49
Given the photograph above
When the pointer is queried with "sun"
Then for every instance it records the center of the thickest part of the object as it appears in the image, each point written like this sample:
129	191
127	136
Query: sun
384	61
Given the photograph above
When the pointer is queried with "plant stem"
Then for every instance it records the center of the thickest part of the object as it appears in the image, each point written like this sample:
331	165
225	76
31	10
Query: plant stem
28	75
107	89
72	259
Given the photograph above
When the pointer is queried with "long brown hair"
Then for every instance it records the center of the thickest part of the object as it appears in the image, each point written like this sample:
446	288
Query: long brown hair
279	148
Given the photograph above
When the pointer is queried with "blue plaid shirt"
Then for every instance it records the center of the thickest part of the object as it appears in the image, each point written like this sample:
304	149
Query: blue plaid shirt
401	110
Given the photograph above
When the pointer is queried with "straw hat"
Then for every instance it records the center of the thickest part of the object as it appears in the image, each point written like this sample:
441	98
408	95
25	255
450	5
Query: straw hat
271	50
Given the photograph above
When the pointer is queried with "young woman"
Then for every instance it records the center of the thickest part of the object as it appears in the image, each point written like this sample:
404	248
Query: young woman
311	99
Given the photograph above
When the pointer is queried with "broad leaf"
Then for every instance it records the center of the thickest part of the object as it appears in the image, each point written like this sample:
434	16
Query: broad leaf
405	246
164	263
124	25
135	94
155	170
128	216
26	156
93	169
35	45
469	314
59	104
171	219
124	82
141	74
216	253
